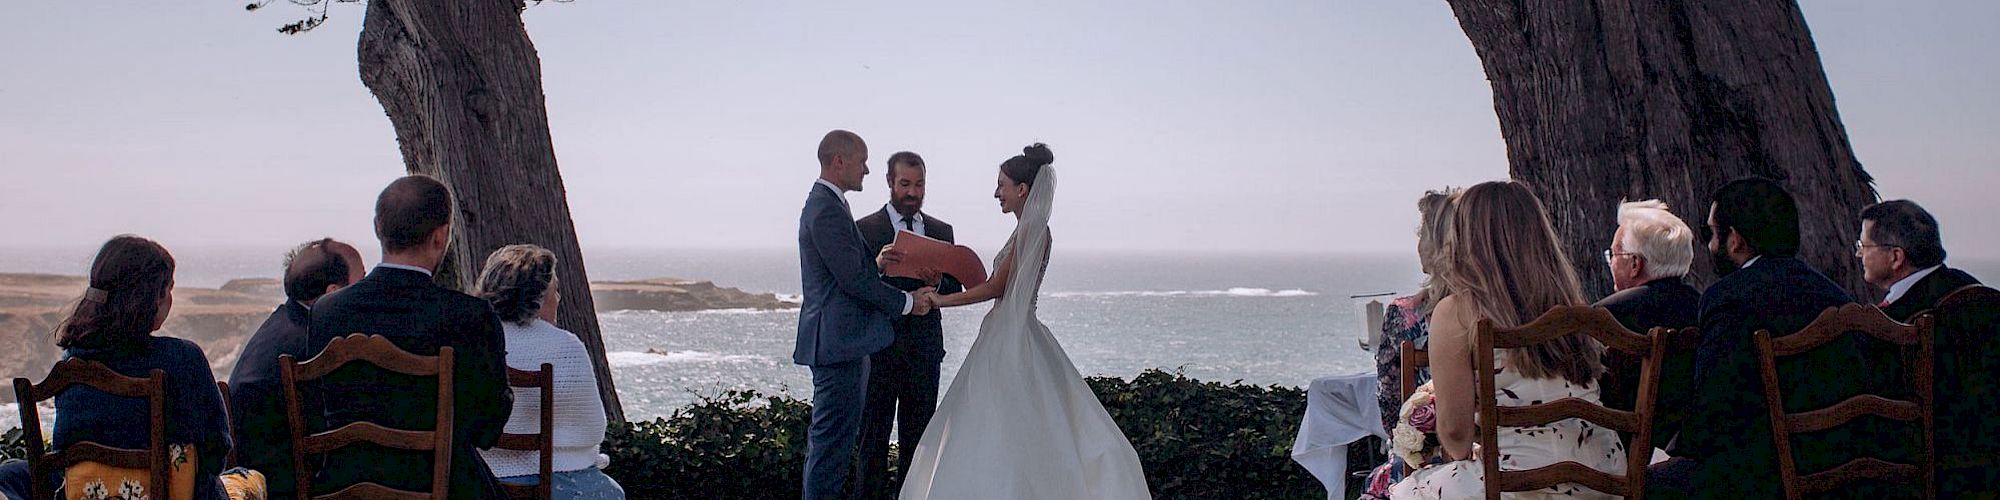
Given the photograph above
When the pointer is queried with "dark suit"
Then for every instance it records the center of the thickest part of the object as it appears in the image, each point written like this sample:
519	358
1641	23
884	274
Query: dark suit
843	319
1728	427
257	397
420	317
1661	303
1926	293
903	379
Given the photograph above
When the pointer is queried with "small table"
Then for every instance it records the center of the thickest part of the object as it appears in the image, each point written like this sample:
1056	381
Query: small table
1340	410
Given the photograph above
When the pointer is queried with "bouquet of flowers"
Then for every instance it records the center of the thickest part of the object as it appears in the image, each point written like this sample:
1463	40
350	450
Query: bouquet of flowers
1415	439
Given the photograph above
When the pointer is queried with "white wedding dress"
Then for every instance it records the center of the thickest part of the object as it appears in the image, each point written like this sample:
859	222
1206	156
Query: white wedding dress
1018	421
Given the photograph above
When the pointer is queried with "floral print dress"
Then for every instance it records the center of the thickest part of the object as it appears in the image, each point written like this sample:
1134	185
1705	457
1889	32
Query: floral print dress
1523	448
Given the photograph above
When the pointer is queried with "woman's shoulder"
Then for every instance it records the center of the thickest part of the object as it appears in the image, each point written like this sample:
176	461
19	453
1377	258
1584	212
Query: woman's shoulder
542	336
176	348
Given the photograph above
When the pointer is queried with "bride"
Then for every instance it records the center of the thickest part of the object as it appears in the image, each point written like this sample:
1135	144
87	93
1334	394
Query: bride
1018	421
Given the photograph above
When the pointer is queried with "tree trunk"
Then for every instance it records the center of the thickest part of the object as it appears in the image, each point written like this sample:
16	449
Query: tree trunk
462	84
1605	101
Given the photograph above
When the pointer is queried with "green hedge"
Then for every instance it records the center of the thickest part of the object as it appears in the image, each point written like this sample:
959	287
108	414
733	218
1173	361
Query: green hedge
1196	440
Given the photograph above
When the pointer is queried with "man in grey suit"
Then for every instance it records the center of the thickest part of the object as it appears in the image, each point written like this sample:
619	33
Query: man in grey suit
845	317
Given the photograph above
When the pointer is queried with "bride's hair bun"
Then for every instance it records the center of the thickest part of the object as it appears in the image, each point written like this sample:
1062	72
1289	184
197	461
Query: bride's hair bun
1038	154
1024	167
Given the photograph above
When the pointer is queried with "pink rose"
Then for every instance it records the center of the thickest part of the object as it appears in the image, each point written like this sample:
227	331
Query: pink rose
1424	418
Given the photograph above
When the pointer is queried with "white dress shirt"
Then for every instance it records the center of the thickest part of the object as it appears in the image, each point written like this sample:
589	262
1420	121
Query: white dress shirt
896	219
909	300
1897	290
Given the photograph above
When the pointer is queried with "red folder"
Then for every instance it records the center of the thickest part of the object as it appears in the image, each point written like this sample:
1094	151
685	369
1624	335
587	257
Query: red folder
921	254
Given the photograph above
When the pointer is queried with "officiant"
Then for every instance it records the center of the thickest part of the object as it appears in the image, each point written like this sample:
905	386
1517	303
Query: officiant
903	379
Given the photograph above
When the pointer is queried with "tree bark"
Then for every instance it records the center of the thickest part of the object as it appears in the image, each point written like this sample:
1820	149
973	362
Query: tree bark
462	84
1603	101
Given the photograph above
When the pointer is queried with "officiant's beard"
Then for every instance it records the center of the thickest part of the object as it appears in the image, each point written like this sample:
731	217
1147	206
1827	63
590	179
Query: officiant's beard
908	205
1723	264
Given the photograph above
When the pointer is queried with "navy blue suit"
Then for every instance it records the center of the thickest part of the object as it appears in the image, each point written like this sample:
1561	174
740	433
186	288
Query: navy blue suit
845	317
257	402
1728	426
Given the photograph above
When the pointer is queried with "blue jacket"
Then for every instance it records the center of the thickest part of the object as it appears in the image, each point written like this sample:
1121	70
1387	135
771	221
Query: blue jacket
847	306
195	414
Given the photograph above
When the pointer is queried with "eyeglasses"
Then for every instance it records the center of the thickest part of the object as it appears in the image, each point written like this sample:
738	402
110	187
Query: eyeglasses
1859	246
1608	255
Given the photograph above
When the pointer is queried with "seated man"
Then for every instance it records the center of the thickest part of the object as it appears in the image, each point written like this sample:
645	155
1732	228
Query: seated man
1902	253
257	402
1724	448
399	300
1649	256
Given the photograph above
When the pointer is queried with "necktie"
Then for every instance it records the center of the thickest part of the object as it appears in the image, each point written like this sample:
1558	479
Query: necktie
909	224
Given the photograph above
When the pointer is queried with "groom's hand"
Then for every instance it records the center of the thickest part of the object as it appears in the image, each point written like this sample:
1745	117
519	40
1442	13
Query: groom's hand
926	300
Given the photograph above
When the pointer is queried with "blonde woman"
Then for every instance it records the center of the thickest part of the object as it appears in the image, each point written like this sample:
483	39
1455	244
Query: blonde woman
1507	266
520	282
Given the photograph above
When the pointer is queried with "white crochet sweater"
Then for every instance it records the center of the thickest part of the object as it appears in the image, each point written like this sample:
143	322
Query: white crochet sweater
579	413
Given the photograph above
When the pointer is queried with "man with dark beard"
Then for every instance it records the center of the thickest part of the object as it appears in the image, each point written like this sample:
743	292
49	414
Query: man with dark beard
1725	448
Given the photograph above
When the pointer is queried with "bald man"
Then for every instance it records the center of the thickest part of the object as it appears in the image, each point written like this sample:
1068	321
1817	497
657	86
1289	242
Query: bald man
257	404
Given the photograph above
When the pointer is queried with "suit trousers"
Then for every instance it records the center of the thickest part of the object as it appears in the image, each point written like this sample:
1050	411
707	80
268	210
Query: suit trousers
839	393
901	389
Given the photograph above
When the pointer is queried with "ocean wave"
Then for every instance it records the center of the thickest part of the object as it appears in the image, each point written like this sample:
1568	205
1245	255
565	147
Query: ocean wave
1233	292
790	297
630	358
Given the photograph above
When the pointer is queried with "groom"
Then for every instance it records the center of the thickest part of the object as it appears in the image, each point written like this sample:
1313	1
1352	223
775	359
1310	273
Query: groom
846	313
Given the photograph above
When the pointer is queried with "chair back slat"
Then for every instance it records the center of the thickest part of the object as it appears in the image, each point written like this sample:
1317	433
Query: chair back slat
1853	408
1595	323
1833	325
380	352
69	374
1568	408
228	418
1559	473
543	441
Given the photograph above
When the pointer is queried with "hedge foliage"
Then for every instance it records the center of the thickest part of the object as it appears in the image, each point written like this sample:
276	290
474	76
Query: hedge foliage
1196	440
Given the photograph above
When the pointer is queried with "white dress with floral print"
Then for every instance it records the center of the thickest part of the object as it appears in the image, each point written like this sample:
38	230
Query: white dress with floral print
1523	448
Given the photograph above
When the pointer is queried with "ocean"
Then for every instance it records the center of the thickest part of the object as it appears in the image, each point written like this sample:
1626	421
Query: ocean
1280	319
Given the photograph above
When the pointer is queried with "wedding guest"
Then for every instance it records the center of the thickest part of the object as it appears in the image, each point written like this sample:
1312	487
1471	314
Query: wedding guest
902	379
1409	318
1506	266
1902	253
520	282
129	297
1724	448
1649	257
400	301
257	399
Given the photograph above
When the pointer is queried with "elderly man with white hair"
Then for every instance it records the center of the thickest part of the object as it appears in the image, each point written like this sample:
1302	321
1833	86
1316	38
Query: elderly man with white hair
1649	255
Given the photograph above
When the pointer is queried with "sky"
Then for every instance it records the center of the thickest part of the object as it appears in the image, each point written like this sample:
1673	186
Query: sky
1178	126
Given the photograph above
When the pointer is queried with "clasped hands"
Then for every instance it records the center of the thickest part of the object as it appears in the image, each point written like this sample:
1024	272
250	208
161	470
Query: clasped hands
926	300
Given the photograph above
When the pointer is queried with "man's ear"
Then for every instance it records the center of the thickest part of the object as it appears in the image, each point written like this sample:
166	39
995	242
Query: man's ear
441	237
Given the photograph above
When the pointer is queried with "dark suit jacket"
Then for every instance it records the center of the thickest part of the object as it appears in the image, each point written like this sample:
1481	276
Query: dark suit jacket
846	312
918	336
1661	303
257	397
1728	427
1927	292
420	317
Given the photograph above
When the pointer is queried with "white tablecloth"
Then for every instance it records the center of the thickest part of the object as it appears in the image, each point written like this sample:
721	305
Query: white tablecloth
1339	411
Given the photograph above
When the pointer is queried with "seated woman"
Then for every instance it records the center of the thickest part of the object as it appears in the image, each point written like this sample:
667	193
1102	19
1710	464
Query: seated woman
1507	266
520	282
130	294
1409	319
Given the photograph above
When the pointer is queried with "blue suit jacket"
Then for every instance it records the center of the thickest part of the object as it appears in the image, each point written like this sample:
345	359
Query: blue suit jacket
847	307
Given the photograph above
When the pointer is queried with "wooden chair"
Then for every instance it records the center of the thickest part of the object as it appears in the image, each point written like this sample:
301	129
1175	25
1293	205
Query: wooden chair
375	350
1966	333
68	374
1566	320
543	441
228	417
1412	359
1830	326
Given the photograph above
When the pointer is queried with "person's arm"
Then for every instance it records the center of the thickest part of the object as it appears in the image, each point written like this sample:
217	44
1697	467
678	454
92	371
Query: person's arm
1389	368
994	287
1726	385
1451	377
838	244
194	400
481	380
